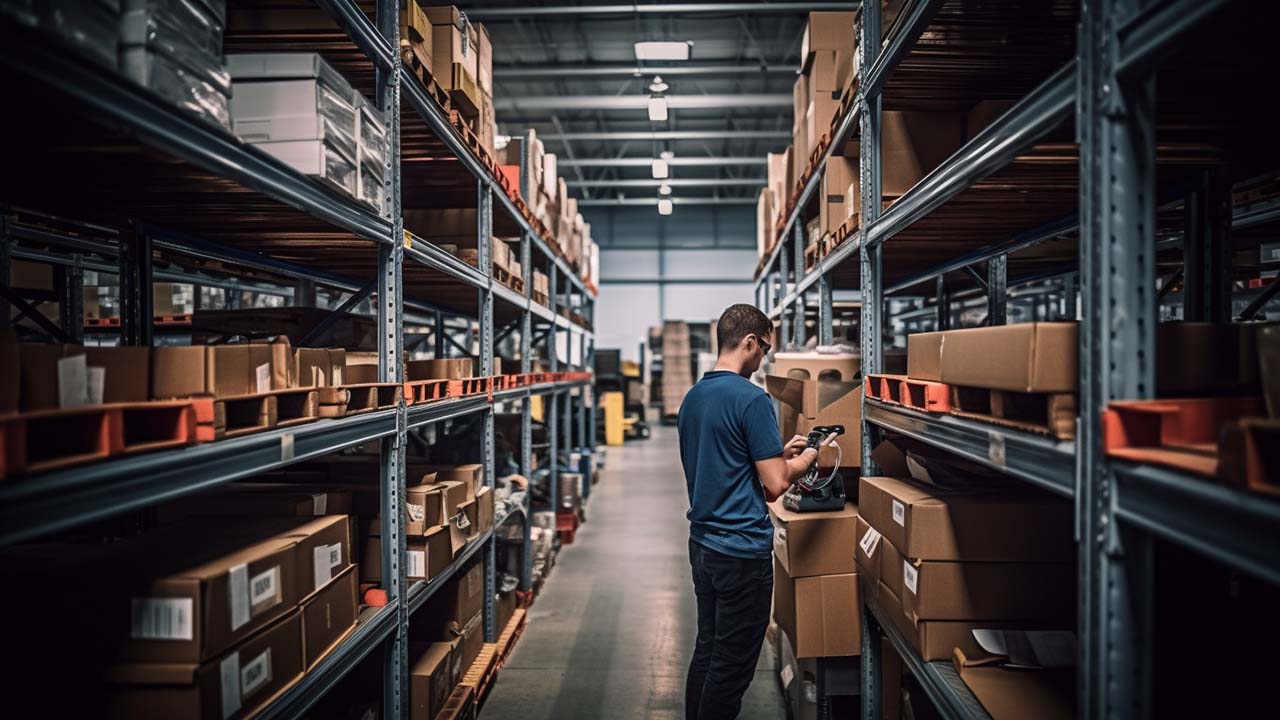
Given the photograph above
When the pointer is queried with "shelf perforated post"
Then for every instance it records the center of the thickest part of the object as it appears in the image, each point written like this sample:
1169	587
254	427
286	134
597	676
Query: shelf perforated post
1206	250
526	417
784	318
1116	129
136	307
997	290
484	219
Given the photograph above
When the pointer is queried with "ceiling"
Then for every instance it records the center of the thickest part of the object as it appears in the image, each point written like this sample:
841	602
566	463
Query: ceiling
563	68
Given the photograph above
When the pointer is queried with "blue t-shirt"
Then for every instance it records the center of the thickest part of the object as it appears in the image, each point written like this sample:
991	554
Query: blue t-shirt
726	424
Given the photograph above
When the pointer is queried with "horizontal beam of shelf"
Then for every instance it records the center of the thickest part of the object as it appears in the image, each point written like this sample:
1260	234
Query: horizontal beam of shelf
442	410
379	625
434	257
434	116
1047	463
55	501
1233	527
506	294
949	694
1031	119
422	591
110	97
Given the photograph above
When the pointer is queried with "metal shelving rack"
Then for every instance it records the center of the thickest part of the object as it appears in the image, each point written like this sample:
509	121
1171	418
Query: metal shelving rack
1107	88
50	503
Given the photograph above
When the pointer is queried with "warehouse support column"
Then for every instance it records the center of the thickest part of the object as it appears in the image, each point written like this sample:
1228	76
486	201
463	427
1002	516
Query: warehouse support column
826	314
549	408
135	286
484	220
526	414
943	299
71	298
784	317
391	369
1116	128
797	273
997	290
869	260
1206	250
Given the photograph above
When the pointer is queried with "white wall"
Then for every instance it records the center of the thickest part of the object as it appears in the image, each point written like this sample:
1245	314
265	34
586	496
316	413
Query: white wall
626	310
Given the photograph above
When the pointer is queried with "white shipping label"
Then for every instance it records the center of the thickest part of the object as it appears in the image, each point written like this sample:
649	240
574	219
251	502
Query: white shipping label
322	563
899	513
264	589
229	673
320	504
461	522
255	674
162	618
910	577
787	675
870	541
262	375
72	382
417	564
416	512
95	379
238	592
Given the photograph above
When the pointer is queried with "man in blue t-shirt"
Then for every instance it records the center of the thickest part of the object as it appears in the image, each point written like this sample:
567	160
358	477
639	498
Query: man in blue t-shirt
734	462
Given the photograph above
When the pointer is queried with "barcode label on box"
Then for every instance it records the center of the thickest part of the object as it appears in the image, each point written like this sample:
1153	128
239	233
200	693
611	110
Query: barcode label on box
417	564
899	513
262	374
264	589
909	576
238	593
162	618
229	673
255	674
870	541
324	559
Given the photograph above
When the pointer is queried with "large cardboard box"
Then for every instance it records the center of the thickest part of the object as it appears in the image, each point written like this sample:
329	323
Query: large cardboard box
928	523
938	590
924	356
830	31
448	611
454	41
416	33
484	61
936	639
815	543
220	370
38	372
431	678
319	367
816	366
329	615
915	143
234	685
805	404
819	614
1011	694
127	372
1027	357
440	369
778	187
819	113
839	192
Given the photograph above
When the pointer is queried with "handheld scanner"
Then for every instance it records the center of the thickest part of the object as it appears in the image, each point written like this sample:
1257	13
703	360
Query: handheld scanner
820	433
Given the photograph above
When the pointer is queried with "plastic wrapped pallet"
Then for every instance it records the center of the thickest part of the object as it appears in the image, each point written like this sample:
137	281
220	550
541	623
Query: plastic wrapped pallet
174	48
87	26
299	109
372	152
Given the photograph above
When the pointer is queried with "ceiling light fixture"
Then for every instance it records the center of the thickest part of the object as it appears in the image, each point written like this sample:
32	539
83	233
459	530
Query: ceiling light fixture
666	154
657	108
660	169
660	50
658	86
664	189
665	206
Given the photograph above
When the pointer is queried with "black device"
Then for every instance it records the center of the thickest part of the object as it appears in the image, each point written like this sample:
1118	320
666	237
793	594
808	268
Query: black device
811	493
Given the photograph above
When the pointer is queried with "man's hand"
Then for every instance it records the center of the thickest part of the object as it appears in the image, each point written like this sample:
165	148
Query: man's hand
794	447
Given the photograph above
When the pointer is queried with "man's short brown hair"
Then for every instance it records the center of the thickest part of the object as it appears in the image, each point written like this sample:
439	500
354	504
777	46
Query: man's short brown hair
739	321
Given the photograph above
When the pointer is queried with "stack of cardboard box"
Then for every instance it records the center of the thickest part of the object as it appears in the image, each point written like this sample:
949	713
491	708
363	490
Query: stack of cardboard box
827	56
677	370
454	615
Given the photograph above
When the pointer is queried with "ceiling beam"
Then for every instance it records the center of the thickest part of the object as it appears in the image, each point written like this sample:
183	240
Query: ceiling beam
605	202
560	103
668	135
674	162
769	8
535	72
673	182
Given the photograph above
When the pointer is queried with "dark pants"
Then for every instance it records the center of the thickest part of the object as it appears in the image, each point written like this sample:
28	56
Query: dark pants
734	597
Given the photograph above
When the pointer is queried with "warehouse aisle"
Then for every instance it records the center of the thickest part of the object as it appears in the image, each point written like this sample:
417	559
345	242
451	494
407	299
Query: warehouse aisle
611	635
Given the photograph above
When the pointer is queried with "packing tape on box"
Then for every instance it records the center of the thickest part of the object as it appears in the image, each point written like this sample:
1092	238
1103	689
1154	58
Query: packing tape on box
238	592
229	673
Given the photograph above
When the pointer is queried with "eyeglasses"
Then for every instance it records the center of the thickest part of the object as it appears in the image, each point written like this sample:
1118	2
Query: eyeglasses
764	345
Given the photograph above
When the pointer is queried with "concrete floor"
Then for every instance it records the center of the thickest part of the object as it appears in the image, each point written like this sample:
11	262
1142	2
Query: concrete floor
612	632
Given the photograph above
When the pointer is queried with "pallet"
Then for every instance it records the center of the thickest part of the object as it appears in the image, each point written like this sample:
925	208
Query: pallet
244	415
1182	433
461	704
504	276
508	382
812	256
1250	456
296	406
482	671
510	635
567	524
926	395
1051	414
424	75
425	391
542	299
885	388
468	386
356	399
46	440
106	322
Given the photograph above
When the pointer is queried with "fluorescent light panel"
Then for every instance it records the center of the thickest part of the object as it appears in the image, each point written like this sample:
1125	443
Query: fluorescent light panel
665	206
661	50
657	109
660	169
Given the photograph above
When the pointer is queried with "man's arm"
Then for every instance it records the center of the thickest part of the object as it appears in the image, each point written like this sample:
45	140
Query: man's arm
777	474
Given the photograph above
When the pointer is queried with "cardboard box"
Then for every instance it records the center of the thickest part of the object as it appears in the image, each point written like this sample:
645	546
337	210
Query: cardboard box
1027	357
127	373
819	614
416	32
1008	694
815	543
323	548
431	678
424	506
915	143
220	370
471	476
816	366
924	356
484	60
936	590
504	608
448	611
440	369
319	367
30	275
440	551
933	524
329	615
263	665
839	192
470	643
819	114
484	510
38	374
832	31
454	40
805	404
